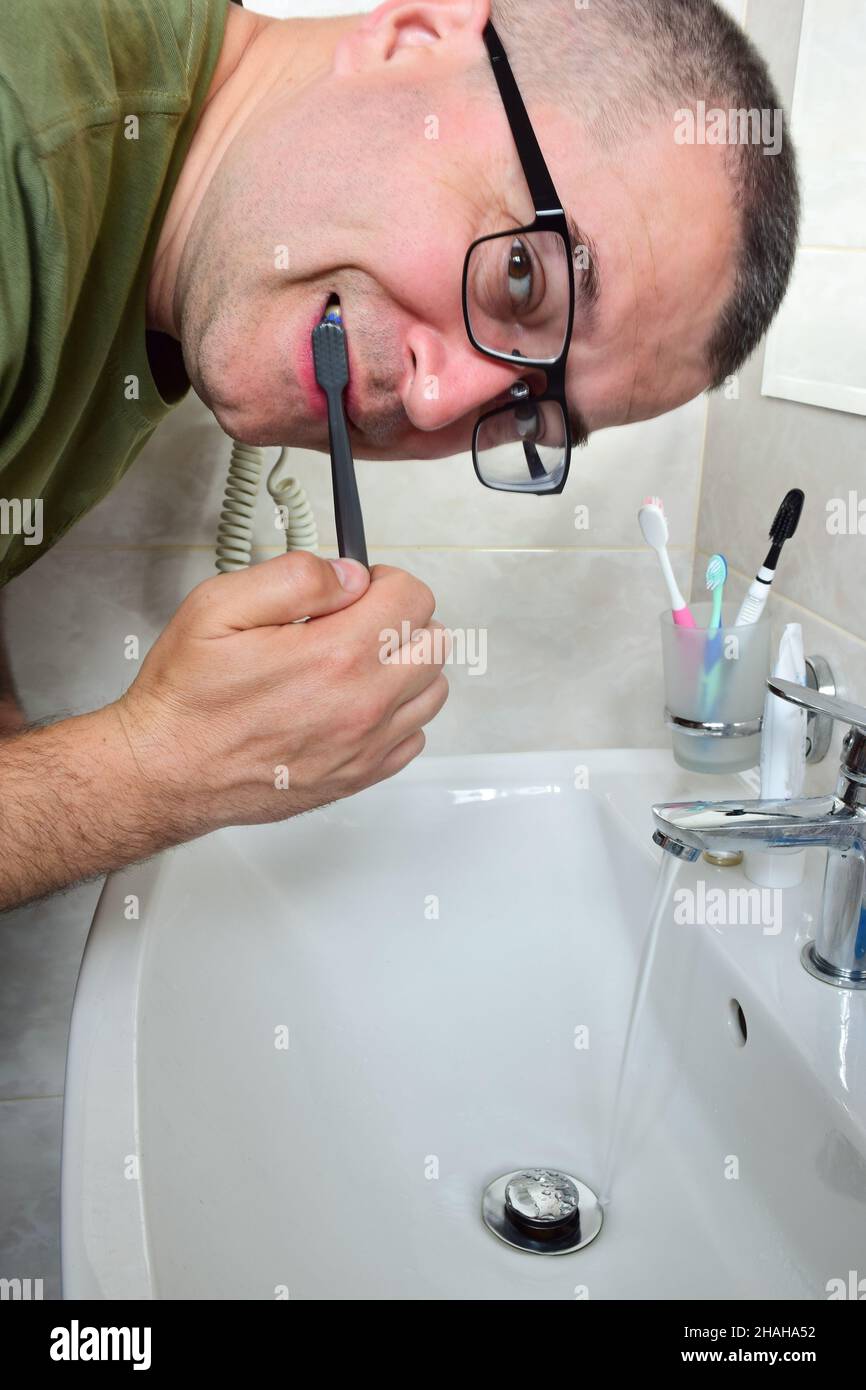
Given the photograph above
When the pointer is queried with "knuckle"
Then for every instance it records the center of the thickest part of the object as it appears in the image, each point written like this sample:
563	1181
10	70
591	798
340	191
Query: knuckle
424	597
303	571
414	597
345	659
368	711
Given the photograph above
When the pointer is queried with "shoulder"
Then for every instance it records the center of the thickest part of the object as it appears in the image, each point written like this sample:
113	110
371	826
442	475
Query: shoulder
77	62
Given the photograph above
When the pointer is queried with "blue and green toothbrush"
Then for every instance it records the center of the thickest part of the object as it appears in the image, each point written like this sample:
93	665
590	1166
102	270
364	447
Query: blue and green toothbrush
717	574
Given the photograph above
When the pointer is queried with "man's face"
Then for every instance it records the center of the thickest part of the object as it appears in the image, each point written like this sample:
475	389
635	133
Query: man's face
370	183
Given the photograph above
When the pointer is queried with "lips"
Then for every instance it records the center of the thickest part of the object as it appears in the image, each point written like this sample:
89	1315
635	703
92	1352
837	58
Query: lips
317	400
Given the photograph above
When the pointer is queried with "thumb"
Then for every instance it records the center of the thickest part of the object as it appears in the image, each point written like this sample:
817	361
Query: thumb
283	590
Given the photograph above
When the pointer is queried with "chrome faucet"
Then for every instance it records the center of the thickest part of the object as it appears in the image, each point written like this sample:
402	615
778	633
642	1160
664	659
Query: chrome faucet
835	823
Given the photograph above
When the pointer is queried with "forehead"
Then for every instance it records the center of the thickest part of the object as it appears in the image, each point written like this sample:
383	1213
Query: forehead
662	221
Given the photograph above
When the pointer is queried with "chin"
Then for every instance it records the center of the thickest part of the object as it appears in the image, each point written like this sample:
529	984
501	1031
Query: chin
242	424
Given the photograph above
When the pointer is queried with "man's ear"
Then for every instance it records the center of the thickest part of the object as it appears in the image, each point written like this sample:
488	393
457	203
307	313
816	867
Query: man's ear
395	26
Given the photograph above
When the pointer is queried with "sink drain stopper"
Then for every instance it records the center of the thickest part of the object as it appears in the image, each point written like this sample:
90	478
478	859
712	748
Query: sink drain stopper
542	1210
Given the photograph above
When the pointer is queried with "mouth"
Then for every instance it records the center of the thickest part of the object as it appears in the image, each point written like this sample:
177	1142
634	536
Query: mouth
333	313
360	413
333	310
316	400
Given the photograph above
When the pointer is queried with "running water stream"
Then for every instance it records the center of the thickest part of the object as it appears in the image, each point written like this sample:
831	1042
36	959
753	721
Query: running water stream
664	883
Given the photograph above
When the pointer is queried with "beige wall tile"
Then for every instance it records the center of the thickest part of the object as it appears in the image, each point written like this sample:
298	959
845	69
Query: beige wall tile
173	492
758	448
573	650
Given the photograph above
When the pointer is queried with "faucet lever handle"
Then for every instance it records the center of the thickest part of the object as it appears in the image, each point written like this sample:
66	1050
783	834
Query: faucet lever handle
813	700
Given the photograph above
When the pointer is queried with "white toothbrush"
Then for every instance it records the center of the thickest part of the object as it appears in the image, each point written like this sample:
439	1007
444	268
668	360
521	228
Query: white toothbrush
654	525
784	527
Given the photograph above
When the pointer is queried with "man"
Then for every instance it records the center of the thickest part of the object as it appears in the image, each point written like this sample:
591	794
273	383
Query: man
186	185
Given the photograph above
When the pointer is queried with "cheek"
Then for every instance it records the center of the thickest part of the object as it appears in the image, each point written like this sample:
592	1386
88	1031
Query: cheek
421	270
238	355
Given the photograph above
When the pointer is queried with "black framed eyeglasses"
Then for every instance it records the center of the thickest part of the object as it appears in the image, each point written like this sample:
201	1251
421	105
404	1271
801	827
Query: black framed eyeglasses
518	303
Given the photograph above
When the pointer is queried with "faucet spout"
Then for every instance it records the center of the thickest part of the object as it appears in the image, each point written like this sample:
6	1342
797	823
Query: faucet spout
835	823
823	821
838	954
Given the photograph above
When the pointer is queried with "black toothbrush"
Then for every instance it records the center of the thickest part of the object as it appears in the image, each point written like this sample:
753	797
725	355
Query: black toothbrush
331	361
784	526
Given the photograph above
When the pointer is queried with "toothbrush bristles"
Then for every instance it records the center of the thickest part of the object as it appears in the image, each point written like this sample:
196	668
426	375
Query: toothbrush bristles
717	571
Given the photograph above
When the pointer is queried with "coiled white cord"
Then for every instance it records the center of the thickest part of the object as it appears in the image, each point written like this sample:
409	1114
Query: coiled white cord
237	519
295	511
235	531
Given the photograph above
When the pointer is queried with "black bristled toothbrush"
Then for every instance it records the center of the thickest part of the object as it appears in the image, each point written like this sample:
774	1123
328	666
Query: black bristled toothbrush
785	524
331	361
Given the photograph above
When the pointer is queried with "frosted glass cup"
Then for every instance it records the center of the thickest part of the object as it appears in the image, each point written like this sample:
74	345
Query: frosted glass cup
715	687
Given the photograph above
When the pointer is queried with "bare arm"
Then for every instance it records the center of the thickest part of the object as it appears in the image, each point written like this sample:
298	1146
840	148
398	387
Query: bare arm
68	808
72	807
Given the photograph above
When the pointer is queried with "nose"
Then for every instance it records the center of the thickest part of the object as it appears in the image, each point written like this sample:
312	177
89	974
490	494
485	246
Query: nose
451	380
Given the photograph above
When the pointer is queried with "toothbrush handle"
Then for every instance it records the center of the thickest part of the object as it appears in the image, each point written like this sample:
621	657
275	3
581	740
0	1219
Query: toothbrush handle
351	541
682	614
755	601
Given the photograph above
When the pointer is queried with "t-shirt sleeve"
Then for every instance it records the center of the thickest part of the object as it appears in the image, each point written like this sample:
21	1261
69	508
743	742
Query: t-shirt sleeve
23	209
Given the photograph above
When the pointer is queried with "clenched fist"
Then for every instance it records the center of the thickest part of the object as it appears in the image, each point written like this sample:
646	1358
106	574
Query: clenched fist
241	713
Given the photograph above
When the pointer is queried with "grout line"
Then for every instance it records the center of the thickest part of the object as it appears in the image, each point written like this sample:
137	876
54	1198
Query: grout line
513	549
15	1100
372	545
810	612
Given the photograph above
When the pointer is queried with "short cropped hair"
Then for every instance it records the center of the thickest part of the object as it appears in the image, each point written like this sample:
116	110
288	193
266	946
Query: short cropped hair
621	64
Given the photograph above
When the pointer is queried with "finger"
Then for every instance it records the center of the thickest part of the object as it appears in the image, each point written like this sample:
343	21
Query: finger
434	641
400	757
276	592
418	663
394	606
421	710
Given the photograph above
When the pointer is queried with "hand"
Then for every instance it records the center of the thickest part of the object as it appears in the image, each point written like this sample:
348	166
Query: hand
237	698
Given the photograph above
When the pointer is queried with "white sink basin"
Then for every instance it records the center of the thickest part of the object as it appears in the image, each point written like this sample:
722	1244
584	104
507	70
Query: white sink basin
429	1054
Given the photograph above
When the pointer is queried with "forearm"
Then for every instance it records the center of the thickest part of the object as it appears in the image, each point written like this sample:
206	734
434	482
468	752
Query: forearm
73	805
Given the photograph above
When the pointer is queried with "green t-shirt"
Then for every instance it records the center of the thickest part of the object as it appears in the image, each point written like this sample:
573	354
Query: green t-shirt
98	104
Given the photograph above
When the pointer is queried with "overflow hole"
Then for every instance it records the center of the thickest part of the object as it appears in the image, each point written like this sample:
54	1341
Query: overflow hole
737	1023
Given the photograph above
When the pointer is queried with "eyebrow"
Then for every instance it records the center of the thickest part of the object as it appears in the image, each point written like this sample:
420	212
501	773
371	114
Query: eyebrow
587	281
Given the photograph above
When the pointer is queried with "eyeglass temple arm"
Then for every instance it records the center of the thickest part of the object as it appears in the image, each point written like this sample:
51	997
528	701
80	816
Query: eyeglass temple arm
544	195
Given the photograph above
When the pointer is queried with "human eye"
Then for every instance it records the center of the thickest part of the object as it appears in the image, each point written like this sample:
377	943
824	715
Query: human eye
525	277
